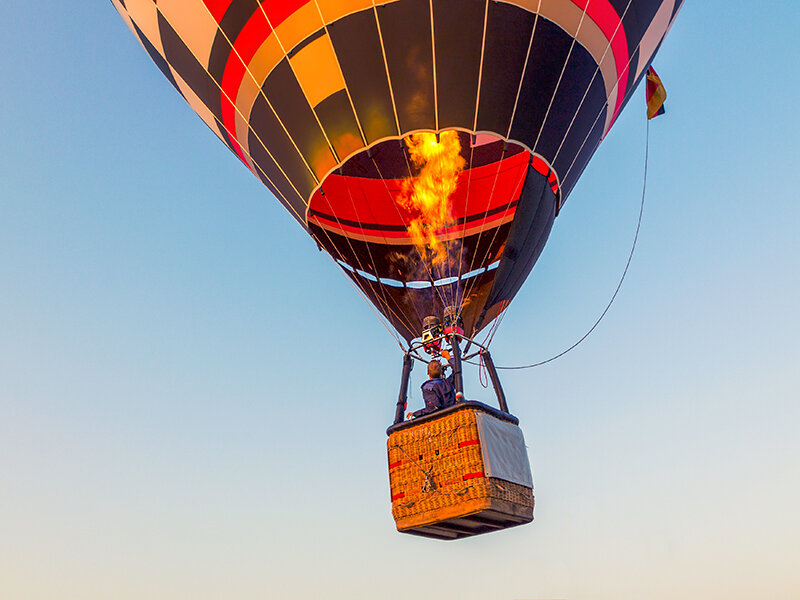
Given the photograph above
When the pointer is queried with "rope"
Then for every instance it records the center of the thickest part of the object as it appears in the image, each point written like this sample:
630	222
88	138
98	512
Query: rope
622	279
483	376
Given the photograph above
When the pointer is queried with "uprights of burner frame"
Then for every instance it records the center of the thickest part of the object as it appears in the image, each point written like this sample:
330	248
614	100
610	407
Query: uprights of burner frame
453	328
498	388
402	398
450	331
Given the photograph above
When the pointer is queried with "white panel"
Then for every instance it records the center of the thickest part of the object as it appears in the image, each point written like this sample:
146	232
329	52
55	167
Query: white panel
654	34
503	449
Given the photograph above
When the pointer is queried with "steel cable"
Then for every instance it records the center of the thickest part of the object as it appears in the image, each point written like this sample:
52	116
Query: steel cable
622	278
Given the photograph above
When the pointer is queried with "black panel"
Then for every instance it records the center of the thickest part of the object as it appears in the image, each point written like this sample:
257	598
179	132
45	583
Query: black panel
196	77
232	23
393	303
458	32
284	194
636	21
358	48
642	75
236	17
634	62
570	174
550	49
192	72
406	29
678	5
620	5
383	161
336	116
389	160
291	106
579	136
644	11
526	240
409	306
508	33
266	125
579	76
156	57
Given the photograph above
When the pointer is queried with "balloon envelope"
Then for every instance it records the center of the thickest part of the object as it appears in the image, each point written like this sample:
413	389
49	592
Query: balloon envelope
318	99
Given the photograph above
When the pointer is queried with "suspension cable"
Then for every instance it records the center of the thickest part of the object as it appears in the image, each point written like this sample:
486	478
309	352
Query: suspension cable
622	278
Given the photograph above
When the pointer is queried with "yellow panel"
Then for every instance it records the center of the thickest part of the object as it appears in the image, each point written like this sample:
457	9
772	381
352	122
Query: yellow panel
317	70
145	15
333	10
124	14
299	26
193	23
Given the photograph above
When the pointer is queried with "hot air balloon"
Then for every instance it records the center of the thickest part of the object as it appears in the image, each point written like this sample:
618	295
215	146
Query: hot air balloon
426	145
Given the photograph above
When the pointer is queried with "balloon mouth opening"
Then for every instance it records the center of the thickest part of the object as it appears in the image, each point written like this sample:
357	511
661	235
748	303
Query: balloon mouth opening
419	197
361	215
364	199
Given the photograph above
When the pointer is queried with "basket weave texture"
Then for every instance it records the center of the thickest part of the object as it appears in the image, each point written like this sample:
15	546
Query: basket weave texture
436	472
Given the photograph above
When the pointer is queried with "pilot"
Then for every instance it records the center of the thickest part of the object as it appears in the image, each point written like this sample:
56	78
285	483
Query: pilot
438	392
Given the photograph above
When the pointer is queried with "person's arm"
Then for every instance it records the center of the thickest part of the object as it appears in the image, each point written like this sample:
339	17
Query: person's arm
450	378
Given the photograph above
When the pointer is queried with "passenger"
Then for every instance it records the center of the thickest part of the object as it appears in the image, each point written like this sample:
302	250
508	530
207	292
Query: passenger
437	392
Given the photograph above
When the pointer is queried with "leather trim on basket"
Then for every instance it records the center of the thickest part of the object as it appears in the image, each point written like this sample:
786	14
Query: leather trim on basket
470	404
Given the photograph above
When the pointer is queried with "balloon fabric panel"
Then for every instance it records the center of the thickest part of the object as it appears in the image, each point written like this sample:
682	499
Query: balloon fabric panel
319	98
406	31
358	48
458	28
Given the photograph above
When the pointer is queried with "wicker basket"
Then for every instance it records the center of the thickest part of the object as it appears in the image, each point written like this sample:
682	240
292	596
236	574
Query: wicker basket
438	480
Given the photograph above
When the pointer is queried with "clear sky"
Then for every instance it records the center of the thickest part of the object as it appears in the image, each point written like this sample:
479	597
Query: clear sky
193	399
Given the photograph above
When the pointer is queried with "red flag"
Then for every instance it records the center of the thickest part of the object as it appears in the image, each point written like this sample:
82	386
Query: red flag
656	95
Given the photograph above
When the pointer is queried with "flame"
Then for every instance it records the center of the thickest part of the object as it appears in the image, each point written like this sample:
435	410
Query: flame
428	194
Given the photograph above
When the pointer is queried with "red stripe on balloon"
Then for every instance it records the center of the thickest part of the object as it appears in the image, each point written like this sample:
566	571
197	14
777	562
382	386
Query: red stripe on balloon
379	200
253	35
217	8
246	45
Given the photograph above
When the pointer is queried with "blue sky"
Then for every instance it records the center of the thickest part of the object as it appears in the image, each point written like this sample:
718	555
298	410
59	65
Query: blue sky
193	400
